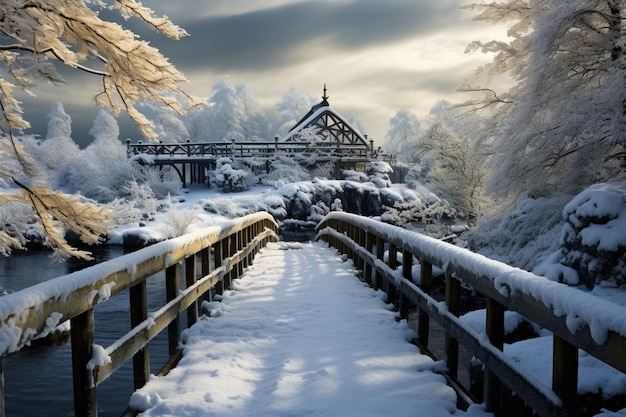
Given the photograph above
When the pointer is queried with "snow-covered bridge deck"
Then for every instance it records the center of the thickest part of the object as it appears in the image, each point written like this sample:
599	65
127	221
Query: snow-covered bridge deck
299	334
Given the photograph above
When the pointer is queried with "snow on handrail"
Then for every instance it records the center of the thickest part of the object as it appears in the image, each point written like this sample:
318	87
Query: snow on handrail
578	320
35	311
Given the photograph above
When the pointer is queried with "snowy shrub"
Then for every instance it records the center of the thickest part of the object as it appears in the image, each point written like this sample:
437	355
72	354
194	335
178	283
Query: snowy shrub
522	236
323	171
175	221
139	203
352	175
337	205
162	182
593	242
436	219
221	206
229	179
124	211
378	173
318	211
283	170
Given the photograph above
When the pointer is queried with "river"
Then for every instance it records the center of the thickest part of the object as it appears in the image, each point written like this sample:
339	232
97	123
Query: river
38	379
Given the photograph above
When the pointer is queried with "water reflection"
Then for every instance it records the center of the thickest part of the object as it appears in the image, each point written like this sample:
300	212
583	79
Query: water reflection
38	379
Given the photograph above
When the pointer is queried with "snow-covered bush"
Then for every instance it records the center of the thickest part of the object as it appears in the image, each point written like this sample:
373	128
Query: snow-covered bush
138	203
323	171
378	173
593	242
230	179
283	170
436	218
522	236
352	175
176	222
337	205
162	181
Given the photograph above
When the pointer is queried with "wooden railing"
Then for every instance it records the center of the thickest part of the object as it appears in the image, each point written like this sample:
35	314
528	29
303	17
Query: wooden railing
28	314
248	149
599	330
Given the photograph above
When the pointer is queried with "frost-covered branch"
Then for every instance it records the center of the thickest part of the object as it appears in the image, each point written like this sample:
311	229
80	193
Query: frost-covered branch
565	113
34	36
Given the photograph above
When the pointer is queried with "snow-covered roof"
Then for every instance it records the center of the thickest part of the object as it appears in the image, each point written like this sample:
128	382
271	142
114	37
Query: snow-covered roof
325	117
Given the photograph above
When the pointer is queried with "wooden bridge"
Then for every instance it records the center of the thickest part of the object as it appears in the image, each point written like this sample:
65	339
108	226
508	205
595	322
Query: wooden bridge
384	254
191	160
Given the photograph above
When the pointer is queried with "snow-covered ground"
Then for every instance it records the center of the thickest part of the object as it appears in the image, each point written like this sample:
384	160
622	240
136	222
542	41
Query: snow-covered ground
305	201
300	335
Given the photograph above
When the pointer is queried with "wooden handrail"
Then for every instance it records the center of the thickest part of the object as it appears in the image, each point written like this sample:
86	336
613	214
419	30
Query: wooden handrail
599	331
244	149
35	311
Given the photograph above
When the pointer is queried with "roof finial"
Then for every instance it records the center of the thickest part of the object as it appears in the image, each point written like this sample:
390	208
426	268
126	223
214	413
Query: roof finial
324	97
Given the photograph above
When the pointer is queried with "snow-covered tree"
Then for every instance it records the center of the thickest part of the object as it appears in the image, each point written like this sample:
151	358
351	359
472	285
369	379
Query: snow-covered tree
53	154
168	126
254	123
234	115
291	107
457	167
34	36
562	125
401	138
452	158
102	169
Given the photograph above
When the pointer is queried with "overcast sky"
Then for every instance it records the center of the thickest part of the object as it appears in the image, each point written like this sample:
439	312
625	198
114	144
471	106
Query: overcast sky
376	57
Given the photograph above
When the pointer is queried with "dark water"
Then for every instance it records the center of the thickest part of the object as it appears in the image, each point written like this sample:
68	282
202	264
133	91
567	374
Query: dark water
38	379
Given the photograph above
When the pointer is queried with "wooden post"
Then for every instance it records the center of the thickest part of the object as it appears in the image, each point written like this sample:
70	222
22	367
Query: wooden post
205	266
138	313
218	257
453	300
234	244
393	264
2	405
423	324
494	328
82	340
350	235
171	291
565	371
247	237
361	243
190	279
369	245
407	266
380	254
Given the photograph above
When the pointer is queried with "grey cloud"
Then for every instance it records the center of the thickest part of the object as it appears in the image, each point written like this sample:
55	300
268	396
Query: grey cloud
275	37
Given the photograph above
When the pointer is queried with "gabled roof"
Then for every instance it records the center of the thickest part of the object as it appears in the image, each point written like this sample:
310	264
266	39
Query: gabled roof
328	120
